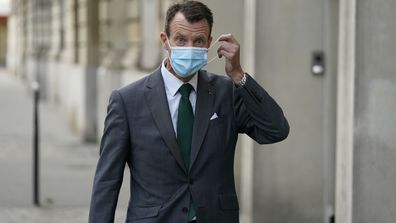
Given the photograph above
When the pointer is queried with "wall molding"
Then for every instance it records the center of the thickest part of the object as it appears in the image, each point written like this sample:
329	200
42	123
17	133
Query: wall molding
345	111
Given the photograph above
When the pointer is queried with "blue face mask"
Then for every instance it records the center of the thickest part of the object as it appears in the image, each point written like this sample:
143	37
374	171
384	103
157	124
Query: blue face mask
186	61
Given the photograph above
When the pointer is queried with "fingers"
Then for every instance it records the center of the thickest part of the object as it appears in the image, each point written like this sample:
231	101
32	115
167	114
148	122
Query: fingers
222	52
229	47
227	38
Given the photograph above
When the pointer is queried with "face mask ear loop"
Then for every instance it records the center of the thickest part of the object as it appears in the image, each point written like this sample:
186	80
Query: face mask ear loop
217	40
214	58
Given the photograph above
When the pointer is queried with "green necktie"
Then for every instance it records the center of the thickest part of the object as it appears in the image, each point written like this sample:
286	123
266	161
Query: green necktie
185	121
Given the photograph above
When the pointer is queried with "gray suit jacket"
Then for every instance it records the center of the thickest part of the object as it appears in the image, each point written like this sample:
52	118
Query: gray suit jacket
138	132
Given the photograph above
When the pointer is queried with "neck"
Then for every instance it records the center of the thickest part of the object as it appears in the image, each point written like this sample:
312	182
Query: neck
170	69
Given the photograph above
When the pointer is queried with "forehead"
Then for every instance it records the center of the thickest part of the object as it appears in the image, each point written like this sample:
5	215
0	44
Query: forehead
180	25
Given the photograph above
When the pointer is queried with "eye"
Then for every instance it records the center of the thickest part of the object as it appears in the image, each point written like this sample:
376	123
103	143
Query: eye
180	40
199	42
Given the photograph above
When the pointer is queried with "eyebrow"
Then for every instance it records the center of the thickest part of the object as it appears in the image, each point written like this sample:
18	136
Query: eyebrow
199	36
179	35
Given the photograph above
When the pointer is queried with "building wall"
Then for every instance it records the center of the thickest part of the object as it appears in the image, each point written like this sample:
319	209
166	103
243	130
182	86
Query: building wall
68	65
374	180
292	179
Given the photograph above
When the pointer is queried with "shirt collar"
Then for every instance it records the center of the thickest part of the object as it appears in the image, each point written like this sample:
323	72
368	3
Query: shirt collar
172	83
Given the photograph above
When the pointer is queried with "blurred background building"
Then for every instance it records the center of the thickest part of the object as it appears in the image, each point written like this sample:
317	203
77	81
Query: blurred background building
329	63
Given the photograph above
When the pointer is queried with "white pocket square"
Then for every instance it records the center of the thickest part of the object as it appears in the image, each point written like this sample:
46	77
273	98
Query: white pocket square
214	116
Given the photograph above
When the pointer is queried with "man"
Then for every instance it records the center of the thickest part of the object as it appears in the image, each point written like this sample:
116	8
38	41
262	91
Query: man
177	129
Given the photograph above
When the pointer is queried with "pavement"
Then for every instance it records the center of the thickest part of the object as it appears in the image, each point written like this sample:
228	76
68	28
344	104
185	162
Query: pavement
67	163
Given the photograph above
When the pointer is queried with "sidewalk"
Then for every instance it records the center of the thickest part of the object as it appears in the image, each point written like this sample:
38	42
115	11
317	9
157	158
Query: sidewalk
67	163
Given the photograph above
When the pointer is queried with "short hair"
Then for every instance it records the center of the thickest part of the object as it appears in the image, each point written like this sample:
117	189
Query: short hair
193	11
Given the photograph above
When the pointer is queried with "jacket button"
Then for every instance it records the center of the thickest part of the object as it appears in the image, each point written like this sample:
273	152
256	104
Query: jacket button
185	209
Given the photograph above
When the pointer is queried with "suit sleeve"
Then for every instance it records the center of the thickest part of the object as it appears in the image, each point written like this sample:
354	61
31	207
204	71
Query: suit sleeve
258	115
110	168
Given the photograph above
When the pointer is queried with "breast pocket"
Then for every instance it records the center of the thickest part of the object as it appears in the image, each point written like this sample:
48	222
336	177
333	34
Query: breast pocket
218	122
216	128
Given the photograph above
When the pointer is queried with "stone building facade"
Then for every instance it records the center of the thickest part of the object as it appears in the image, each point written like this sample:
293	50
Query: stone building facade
78	50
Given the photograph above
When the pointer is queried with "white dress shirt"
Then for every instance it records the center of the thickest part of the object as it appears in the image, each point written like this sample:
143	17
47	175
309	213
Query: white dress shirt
172	85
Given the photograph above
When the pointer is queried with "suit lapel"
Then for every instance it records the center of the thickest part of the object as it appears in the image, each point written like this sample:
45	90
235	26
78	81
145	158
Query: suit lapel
203	111
158	103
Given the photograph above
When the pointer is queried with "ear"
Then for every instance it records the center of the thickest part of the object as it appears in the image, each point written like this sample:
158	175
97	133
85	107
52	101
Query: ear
164	41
